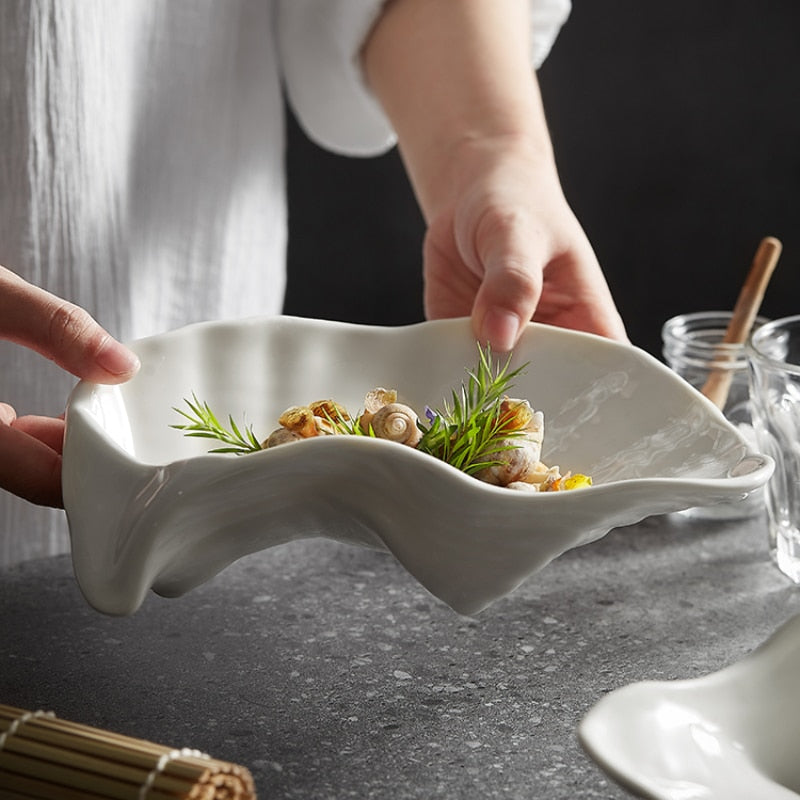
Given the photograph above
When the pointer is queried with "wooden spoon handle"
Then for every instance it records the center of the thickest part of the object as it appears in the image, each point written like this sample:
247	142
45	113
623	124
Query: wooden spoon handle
752	293
745	311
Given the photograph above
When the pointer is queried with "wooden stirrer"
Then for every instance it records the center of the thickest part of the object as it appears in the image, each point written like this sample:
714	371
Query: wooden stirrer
744	313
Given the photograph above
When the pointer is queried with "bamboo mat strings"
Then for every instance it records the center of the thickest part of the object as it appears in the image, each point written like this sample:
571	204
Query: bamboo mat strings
43	757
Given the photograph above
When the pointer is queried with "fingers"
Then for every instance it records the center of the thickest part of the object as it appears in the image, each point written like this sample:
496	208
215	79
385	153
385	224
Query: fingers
29	467
566	292
30	447
527	275
61	331
47	430
512	266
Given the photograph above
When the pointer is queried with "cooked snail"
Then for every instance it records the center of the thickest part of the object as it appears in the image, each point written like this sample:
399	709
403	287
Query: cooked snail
300	420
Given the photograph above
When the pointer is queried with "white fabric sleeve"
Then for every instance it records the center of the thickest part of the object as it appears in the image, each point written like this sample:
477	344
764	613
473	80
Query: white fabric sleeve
319	42
547	18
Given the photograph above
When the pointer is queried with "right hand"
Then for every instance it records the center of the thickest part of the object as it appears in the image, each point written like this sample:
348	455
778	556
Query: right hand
502	245
30	446
506	248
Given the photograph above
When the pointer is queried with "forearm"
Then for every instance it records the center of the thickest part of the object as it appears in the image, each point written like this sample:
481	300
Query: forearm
456	80
452	75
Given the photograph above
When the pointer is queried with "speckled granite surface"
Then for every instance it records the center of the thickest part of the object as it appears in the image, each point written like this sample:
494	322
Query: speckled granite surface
330	673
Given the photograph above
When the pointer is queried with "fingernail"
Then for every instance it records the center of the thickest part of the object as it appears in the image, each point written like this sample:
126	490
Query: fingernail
501	329
116	359
7	414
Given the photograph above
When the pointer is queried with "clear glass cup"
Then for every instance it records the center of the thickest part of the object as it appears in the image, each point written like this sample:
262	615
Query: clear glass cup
774	367
693	347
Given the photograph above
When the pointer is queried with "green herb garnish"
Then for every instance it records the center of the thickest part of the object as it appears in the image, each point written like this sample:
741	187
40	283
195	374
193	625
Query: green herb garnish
203	424
471	432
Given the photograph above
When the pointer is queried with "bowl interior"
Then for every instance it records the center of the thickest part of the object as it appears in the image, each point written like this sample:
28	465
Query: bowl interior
611	410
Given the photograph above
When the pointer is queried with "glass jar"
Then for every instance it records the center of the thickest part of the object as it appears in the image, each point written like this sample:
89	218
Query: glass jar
693	347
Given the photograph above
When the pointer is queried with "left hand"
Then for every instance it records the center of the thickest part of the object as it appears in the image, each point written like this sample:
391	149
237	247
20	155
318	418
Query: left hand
30	446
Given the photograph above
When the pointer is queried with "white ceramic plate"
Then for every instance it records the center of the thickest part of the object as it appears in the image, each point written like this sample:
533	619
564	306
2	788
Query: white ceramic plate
148	508
732	735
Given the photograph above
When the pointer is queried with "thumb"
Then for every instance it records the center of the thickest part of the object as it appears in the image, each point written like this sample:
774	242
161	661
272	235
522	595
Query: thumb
510	288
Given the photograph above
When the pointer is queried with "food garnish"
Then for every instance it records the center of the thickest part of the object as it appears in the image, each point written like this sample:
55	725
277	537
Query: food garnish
480	431
204	424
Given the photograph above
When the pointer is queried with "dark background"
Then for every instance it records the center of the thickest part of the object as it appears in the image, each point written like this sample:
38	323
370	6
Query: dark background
676	128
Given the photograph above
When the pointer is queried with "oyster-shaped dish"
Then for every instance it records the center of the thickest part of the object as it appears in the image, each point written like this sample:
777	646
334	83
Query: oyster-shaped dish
148	507
731	735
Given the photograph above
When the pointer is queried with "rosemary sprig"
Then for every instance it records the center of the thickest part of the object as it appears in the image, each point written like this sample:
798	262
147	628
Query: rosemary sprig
471	432
349	427
203	424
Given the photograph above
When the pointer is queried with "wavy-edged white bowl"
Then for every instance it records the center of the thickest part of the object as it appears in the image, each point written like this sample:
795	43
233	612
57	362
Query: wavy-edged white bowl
148	507
731	735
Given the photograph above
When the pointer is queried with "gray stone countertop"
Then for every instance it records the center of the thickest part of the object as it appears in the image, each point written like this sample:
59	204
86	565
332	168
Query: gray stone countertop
330	673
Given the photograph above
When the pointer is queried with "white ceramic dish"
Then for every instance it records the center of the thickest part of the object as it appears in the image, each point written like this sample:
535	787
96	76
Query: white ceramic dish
731	735
148	507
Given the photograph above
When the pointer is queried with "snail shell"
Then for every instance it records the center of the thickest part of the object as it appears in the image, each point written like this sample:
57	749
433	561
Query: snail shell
514	464
535	428
398	423
522	486
281	436
375	400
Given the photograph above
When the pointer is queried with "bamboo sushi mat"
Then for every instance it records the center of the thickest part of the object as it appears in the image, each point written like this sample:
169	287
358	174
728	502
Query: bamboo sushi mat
46	758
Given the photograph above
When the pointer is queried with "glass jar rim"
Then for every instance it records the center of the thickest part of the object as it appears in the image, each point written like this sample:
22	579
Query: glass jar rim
756	343
694	319
681	333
